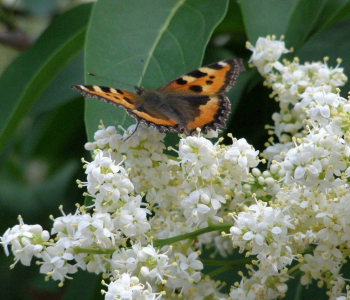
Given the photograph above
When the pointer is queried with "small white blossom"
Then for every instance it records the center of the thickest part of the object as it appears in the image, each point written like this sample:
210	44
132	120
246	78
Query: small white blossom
195	211
264	231
132	218
55	263
198	156
155	264
265	53
129	288
96	230
26	241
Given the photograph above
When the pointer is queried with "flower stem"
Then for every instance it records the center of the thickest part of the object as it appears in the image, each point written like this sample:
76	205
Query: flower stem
190	235
160	243
219	271
228	263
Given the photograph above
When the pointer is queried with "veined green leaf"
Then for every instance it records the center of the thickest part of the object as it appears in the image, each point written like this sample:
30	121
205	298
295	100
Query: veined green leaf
28	76
147	46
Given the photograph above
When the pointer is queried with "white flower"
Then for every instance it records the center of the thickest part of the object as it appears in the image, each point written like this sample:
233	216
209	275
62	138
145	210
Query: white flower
263	230
132	219
148	136
107	182
93	263
332	77
155	264
320	107
55	262
100	166
242	154
205	289
117	186
195	211
320	160
129	288
198	156
185	271
347	297
25	253
274	151
304	160
96	230
125	260
260	287
26	241
105	138
265	53
189	261
312	268
66	226
295	79
113	192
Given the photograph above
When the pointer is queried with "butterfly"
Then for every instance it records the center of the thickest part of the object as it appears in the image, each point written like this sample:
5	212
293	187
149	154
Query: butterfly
193	100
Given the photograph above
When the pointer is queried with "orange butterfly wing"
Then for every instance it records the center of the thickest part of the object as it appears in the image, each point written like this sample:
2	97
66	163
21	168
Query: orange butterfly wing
213	79
128	100
193	100
118	97
209	83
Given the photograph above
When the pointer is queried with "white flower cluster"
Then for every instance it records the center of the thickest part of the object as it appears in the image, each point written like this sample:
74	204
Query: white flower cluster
138	197
26	240
149	215
308	216
308	93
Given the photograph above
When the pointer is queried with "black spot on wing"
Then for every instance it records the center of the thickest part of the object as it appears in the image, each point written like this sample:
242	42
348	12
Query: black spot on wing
198	100
196	88
197	74
209	81
105	89
181	81
128	100
120	91
211	76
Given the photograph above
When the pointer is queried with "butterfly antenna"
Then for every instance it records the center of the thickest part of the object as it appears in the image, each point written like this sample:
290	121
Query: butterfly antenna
113	80
137	125
142	65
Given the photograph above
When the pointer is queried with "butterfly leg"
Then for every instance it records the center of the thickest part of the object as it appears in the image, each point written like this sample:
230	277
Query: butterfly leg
137	125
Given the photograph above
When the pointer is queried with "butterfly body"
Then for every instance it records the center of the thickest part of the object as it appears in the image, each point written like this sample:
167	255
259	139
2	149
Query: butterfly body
193	100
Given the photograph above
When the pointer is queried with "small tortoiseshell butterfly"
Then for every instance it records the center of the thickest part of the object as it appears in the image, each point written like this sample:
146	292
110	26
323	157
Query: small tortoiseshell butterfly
193	100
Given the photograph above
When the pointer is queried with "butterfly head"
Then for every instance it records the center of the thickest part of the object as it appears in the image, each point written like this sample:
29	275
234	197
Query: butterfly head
139	90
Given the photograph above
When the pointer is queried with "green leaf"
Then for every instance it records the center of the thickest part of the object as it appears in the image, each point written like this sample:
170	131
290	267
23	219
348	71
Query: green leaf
59	90
28	76
168	36
266	17
333	11
333	42
302	21
297	20
32	199
342	10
